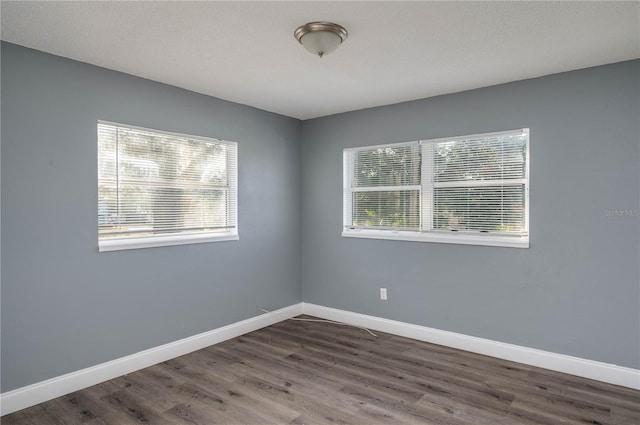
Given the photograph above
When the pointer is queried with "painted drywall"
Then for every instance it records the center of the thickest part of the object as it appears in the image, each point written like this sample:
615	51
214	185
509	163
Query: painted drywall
64	305
575	291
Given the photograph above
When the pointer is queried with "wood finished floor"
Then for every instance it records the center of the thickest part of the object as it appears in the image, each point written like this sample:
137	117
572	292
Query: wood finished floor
318	373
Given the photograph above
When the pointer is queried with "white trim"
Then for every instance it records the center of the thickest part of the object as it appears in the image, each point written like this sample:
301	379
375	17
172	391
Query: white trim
605	372
461	238
106	245
31	395
483	183
525	131
383	146
164	132
415	187
426	197
39	392
528	182
347	196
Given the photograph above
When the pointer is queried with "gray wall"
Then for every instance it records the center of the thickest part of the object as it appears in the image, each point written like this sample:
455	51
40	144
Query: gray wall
64	305
575	291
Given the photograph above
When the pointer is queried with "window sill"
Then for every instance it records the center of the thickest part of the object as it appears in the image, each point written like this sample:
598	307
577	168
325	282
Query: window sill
463	239
157	241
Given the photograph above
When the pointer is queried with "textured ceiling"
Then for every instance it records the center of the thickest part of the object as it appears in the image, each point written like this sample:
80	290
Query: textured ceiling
396	51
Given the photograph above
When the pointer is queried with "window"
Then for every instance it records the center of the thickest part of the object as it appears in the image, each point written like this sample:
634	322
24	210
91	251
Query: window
157	188
468	190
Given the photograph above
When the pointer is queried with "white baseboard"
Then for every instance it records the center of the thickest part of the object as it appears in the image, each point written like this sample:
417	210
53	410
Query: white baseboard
599	371
31	395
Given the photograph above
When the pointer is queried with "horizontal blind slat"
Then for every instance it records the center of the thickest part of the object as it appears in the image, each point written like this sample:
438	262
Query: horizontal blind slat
159	183
389	166
467	184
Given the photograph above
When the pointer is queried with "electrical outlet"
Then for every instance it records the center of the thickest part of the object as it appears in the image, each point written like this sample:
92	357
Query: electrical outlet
383	294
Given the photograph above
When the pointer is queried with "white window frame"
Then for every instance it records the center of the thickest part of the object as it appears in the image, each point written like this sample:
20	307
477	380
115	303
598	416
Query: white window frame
116	244
427	233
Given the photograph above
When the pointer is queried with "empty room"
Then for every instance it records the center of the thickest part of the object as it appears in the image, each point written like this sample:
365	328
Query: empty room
316	212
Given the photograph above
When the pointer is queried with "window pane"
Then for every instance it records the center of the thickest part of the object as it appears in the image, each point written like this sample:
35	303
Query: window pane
492	208
145	212
390	166
153	183
491	158
398	209
476	185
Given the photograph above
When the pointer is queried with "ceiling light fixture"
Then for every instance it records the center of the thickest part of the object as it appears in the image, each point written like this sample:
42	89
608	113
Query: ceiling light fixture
320	38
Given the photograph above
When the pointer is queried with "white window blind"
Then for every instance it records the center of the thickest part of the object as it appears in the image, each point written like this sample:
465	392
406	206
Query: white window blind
385	187
157	188
479	183
471	189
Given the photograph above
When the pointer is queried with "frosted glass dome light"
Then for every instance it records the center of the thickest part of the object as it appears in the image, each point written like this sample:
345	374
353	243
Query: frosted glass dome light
320	38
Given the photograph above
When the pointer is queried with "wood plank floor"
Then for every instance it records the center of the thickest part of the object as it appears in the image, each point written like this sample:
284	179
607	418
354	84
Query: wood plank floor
317	373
